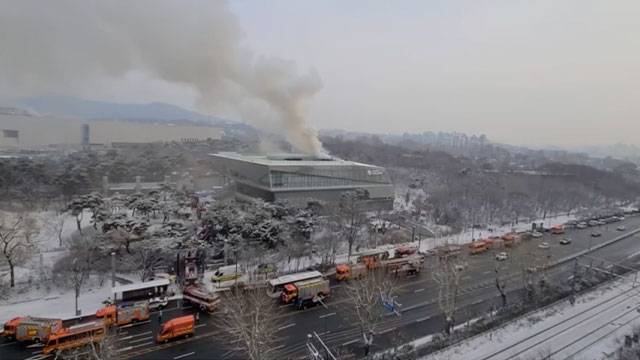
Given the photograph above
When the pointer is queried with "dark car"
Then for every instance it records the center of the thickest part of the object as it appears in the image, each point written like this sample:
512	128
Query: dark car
596	234
565	241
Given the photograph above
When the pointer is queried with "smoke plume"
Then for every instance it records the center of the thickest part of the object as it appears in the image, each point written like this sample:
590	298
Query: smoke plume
63	46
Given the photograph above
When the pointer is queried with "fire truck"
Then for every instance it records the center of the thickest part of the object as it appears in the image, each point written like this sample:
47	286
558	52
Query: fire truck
31	328
306	293
405	266
206	300
128	312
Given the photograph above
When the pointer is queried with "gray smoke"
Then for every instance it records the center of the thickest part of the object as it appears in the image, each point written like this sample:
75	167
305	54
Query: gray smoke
62	46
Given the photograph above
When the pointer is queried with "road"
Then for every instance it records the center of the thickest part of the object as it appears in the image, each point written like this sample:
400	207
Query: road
337	325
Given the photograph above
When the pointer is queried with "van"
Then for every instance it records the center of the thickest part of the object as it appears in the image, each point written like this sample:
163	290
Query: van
177	327
226	273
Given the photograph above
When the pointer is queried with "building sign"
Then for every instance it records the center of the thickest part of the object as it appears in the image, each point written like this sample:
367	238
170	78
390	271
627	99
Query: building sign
10	133
374	172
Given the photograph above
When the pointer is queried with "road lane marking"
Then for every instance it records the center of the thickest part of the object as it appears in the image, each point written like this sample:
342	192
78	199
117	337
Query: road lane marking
125	348
143	339
349	342
147	343
37	345
423	319
326	315
417	291
11	343
486	272
36	352
184	355
284	306
201	325
335	286
386	331
134	324
136	335
467	277
286	326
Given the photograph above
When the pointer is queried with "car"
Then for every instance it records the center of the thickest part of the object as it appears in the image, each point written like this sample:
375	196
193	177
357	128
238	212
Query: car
158	302
544	245
536	234
602	222
565	241
462	267
593	223
582	225
621	228
596	234
621	217
502	256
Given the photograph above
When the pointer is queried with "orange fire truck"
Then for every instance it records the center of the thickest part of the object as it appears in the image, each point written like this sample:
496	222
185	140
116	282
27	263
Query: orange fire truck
128	312
31	328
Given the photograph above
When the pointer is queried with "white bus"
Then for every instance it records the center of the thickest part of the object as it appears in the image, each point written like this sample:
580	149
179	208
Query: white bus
276	285
154	291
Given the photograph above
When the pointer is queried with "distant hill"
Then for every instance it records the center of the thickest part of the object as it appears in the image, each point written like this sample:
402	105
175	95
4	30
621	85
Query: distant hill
91	109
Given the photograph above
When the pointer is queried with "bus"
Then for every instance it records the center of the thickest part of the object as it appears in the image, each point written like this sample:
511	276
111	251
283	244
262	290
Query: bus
154	291
277	285
75	337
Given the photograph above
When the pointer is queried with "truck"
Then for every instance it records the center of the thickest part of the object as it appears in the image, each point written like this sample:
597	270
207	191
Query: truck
176	327
206	300
128	312
477	247
404	266
509	240
306	293
31	328
448	251
350	271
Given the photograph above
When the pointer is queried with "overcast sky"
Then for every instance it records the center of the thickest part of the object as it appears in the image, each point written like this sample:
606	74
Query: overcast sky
523	72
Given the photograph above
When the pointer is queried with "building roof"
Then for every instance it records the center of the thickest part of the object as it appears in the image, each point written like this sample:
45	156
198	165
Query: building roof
289	159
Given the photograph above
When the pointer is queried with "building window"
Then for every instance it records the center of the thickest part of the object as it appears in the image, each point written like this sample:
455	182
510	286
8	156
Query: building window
10	133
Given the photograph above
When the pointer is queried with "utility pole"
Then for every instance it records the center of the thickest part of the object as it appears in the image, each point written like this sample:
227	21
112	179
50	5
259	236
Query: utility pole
113	269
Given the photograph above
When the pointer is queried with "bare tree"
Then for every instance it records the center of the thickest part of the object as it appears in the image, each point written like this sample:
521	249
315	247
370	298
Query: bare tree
501	270
251	325
55	225
144	261
16	250
107	348
365	297
446	271
80	261
352	215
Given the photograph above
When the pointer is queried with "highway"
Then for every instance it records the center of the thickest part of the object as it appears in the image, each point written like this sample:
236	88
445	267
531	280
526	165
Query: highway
338	325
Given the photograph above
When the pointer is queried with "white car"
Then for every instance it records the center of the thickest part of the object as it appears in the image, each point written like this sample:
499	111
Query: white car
544	245
462	267
621	228
582	225
502	256
536	234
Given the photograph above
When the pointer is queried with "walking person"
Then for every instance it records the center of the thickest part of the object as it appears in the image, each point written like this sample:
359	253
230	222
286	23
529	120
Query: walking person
198	317
160	316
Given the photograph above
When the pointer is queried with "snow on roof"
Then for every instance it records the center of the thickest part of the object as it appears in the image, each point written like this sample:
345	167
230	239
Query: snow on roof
143	285
289	159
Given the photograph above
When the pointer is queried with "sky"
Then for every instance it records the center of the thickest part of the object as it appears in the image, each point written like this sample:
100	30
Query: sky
529	73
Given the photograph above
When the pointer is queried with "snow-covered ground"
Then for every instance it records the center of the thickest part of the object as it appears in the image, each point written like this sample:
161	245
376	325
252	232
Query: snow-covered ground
60	304
589	329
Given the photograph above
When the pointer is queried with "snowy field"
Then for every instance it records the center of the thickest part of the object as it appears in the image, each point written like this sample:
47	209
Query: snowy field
590	329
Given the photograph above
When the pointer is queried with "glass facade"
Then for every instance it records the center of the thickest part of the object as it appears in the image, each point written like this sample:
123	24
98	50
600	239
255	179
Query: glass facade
328	177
